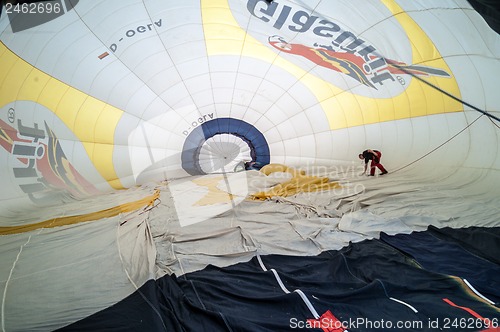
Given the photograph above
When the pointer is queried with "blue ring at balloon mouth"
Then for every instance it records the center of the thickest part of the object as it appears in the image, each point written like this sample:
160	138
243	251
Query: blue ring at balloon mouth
259	149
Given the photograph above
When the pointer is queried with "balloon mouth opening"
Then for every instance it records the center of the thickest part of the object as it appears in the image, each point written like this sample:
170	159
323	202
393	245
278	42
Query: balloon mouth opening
221	153
221	145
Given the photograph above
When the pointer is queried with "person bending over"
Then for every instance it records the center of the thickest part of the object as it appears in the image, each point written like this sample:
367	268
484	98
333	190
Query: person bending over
374	156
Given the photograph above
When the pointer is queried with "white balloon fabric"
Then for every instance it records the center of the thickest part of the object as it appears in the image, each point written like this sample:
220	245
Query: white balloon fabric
124	86
99	96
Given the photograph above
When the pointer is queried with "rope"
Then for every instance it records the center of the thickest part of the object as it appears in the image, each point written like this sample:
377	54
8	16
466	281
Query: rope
439	146
491	116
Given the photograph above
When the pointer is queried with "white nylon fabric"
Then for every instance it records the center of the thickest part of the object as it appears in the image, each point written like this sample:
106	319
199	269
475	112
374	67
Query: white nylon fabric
48	282
222	153
110	100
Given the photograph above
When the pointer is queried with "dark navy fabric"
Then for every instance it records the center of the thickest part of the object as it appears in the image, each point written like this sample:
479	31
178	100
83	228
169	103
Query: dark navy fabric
481	241
445	255
361	286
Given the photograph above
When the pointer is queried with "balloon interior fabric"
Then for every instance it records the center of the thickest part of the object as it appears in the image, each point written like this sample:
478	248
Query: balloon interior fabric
193	165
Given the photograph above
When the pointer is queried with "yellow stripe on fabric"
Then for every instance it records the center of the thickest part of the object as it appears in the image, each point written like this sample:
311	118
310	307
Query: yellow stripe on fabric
65	221
424	52
343	109
92	121
299	183
214	194
218	20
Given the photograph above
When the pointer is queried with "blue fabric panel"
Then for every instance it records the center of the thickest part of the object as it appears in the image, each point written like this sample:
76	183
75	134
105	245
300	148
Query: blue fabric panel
448	257
368	281
242	129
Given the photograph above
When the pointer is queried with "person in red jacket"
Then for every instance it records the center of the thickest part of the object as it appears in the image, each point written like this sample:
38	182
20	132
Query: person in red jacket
374	156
